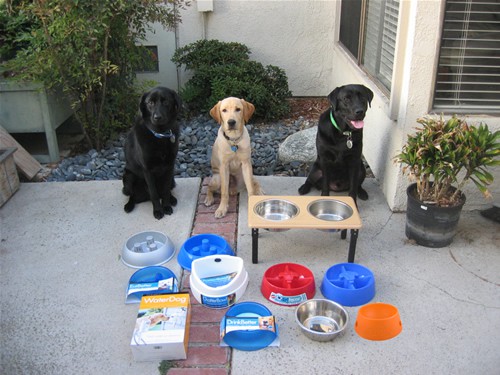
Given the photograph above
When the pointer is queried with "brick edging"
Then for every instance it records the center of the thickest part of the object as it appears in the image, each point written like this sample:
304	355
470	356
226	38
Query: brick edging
205	355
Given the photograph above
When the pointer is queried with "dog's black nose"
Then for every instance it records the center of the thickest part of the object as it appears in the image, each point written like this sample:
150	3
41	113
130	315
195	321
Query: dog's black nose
157	116
231	123
360	112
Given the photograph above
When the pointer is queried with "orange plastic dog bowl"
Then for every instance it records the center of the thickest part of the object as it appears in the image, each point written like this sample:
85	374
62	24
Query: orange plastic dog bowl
378	321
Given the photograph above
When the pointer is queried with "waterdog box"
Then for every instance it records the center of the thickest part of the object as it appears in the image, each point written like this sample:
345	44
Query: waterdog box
162	327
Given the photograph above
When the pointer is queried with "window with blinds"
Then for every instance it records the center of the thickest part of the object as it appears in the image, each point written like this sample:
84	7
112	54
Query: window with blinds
368	31
468	74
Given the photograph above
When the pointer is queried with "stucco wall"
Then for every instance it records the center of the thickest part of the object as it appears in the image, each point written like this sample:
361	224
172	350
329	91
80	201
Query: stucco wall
297	36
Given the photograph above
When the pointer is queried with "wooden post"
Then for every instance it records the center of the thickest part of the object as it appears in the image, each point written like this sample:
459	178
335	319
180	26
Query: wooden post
26	163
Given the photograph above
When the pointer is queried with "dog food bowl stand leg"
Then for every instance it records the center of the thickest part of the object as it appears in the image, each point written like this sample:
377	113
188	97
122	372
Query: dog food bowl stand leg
343	234
352	244
350	256
255	245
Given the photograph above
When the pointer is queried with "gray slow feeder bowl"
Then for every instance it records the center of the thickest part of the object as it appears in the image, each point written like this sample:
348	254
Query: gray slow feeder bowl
147	249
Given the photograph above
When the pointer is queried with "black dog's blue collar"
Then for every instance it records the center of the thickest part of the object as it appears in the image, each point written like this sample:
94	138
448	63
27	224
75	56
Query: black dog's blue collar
167	134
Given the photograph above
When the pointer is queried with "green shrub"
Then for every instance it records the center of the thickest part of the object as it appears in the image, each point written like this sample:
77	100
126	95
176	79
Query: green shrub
89	48
15	27
222	69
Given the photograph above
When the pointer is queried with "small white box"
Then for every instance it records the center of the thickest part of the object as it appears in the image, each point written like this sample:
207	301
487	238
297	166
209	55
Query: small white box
205	5
162	328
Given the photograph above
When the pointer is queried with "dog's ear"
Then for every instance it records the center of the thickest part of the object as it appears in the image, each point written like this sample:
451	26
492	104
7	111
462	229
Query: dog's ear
368	94
143	109
333	97
215	113
248	110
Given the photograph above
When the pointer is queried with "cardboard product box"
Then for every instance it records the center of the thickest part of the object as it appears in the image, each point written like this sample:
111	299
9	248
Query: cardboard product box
162	327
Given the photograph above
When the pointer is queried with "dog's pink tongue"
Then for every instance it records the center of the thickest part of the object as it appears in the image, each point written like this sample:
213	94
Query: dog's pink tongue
358	124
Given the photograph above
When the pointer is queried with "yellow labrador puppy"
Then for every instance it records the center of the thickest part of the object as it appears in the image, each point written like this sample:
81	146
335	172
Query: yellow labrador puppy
231	154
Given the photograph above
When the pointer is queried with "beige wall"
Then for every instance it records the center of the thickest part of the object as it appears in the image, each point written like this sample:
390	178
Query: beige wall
301	37
295	35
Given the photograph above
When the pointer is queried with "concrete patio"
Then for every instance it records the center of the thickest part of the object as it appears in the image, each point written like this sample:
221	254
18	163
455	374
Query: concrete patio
63	286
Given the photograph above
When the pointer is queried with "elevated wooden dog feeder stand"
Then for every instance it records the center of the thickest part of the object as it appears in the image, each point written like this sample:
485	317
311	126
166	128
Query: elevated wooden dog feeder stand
304	218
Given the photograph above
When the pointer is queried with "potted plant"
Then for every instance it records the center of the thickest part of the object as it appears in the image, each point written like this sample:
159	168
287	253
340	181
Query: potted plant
440	159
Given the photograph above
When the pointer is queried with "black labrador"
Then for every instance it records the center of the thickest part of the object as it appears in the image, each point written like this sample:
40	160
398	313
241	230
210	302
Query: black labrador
339	144
150	151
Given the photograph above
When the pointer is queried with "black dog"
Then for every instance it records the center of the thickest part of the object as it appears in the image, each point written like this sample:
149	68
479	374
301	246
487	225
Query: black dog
339	144
150	152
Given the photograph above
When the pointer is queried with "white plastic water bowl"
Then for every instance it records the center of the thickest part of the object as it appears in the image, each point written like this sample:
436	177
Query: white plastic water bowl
218	281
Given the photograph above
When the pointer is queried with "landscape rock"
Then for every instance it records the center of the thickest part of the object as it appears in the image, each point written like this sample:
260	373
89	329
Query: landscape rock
299	147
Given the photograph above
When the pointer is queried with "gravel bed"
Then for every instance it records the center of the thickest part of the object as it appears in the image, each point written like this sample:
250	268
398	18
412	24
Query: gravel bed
193	160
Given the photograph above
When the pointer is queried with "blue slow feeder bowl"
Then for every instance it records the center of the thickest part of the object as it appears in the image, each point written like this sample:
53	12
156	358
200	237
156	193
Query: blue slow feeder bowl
245	339
348	284
150	280
202	245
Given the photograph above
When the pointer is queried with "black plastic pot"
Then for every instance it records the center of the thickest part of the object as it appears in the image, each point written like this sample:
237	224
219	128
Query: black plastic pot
430	225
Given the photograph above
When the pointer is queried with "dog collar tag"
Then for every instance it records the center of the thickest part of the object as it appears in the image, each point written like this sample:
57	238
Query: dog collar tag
349	139
172	139
234	147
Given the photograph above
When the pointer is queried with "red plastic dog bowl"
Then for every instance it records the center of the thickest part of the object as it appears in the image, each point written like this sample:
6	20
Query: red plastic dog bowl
288	284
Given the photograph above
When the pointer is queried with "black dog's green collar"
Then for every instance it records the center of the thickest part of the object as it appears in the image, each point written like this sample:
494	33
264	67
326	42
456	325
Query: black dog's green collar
348	133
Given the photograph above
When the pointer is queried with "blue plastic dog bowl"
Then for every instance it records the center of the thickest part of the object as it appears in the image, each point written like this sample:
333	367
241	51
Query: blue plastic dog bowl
348	284
200	246
151	280
245	339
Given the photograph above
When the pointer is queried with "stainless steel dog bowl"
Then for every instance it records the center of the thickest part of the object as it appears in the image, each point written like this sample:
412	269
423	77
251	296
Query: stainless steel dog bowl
321	319
276	210
330	210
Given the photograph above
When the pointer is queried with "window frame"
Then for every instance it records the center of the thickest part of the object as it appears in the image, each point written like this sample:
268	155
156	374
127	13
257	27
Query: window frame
441	54
359	58
152	50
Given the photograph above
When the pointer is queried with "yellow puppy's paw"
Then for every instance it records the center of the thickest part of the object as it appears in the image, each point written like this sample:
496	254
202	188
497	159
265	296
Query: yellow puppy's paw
220	213
257	191
257	188
209	201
